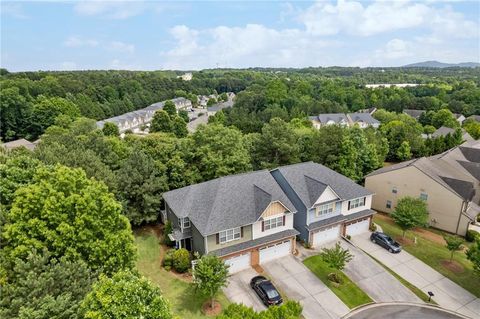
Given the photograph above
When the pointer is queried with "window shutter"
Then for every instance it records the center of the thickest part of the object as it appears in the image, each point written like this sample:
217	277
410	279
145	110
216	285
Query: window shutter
218	238
263	225
348	205
241	232
284	220
364	200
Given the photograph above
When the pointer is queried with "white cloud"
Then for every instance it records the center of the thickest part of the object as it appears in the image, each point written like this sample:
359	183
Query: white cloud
367	19
13	9
395	49
110	9
76	42
251	45
120	46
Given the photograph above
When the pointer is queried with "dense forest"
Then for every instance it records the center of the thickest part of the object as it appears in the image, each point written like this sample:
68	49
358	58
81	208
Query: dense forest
67	207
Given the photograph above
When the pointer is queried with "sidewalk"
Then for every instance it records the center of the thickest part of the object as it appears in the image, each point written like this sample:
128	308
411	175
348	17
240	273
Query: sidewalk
448	294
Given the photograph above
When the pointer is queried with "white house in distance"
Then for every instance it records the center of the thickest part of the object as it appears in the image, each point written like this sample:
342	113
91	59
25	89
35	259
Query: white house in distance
186	77
362	119
389	85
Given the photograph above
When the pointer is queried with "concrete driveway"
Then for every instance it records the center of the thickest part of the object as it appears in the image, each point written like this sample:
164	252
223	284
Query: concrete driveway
378	283
297	282
448	294
239	291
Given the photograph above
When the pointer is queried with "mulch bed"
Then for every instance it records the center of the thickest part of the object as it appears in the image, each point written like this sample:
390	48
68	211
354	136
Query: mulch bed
209	311
453	266
404	241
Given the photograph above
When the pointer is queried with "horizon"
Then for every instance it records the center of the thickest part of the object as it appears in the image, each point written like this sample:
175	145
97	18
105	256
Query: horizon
194	36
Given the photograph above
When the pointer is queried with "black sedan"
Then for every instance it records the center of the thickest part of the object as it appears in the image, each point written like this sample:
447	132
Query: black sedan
386	242
266	291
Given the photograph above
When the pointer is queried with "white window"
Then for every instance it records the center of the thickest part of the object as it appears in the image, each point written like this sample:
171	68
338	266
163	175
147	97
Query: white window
184	222
358	202
423	196
324	209
229	235
273	223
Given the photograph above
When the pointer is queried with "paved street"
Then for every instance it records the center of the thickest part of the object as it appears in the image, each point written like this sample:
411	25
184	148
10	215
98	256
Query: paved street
239	291
448	294
402	311
297	282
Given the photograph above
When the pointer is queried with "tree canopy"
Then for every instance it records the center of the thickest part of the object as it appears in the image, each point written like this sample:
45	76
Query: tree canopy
410	213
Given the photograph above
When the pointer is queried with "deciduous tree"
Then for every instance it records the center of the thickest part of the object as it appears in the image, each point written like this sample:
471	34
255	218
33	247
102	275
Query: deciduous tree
210	274
409	213
453	243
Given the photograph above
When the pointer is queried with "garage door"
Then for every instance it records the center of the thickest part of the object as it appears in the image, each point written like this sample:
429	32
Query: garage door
238	263
358	227
274	251
326	235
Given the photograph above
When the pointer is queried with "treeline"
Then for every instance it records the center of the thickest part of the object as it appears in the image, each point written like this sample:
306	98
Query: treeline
30	101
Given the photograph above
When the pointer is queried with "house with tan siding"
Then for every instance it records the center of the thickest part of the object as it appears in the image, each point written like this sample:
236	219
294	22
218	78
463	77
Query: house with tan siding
448	182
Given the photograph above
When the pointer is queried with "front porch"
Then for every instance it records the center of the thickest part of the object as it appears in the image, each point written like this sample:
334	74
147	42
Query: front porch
181	239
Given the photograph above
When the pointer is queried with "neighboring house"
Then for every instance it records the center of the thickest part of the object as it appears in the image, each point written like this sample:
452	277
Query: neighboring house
329	119
369	110
246	219
414	113
328	204
388	85
474	117
20	143
444	131
459	117
135	119
251	218
186	76
363	120
448	182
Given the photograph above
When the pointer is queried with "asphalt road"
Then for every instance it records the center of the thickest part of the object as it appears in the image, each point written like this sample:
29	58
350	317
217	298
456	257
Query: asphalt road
402	311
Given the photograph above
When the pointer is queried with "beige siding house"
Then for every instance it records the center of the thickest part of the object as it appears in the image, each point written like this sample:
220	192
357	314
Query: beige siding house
448	182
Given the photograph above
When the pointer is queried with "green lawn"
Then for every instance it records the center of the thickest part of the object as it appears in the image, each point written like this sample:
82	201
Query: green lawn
185	303
348	292
433	253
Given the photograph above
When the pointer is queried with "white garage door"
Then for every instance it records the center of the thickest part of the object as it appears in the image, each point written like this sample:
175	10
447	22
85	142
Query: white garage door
238	263
326	235
358	227
275	251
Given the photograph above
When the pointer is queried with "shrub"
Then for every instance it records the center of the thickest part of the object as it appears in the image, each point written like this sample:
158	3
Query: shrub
166	231
168	259
471	235
181	260
373	227
348	237
336	278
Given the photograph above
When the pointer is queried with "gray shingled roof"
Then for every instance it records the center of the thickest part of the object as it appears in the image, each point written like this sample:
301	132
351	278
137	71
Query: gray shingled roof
414	113
363	117
300	177
227	202
254	243
336	117
326	222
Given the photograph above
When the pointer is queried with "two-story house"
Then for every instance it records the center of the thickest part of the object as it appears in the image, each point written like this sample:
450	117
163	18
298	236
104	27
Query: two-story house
328	204
246	219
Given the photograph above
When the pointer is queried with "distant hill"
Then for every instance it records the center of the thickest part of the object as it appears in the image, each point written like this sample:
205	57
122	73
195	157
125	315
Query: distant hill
436	64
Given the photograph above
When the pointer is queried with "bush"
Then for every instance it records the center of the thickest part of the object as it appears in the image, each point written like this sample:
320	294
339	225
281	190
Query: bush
336	278
348	237
181	260
471	235
168	259
478	218
166	231
373	227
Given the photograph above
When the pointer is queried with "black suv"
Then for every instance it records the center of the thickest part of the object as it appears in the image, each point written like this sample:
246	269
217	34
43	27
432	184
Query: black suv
266	291
386	242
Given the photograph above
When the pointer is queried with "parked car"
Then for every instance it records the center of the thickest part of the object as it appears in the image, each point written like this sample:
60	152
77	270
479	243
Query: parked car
386	242
266	291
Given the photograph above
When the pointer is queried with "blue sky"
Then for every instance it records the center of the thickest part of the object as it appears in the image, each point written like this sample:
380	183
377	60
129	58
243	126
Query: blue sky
183	35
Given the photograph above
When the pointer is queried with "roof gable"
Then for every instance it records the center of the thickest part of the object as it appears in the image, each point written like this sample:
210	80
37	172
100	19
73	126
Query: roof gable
327	195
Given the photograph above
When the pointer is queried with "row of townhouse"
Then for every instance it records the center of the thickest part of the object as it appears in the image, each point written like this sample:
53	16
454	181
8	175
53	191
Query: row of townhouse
135	119
251	218
362	119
